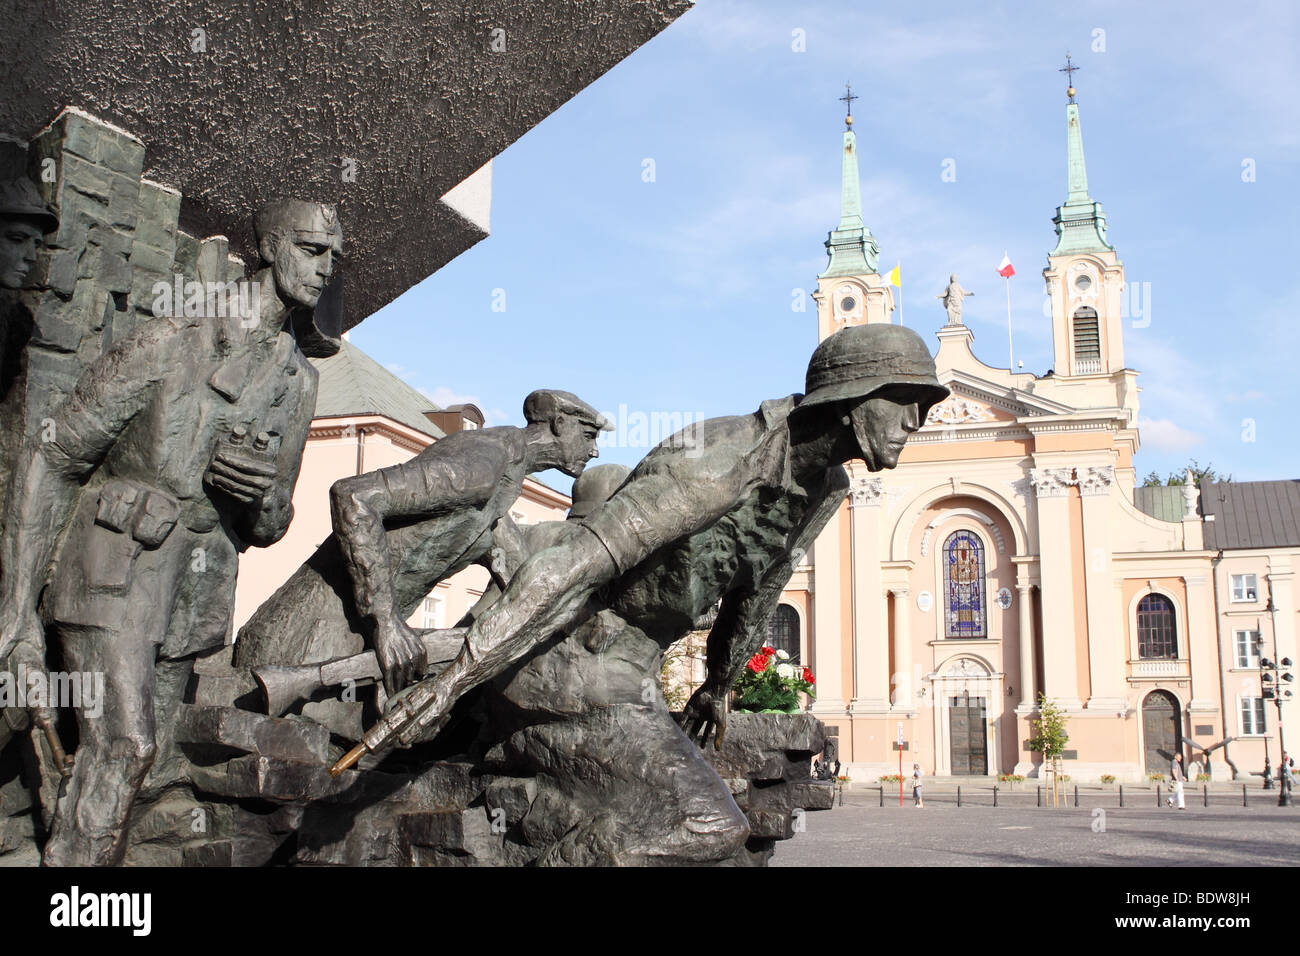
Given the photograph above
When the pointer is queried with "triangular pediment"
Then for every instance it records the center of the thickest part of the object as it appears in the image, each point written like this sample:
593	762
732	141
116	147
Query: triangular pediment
976	400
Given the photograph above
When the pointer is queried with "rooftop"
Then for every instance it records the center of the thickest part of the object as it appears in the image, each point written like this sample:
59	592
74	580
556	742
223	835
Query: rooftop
1251	514
352	383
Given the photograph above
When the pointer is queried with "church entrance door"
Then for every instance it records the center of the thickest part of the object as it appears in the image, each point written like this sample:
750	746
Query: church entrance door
969	739
1160	730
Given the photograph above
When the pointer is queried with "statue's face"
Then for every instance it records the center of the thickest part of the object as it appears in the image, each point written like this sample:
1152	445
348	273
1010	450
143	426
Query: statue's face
882	423
302	266
577	441
19	241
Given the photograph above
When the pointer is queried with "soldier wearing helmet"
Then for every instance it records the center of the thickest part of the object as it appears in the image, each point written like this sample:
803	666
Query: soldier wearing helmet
721	513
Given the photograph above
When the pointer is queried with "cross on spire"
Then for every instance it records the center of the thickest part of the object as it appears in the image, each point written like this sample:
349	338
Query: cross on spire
848	99
1069	70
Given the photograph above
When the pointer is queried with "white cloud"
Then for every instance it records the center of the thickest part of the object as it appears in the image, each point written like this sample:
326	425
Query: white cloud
1161	434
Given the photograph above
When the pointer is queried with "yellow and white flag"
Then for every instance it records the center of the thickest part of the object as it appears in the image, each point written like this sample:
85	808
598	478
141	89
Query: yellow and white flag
895	277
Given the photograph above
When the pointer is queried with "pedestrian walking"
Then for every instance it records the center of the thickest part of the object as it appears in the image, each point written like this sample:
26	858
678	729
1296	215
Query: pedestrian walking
917	800
1176	775
1286	771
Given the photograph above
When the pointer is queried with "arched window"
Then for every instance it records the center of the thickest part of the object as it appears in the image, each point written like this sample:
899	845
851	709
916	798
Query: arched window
1157	636
783	631
1087	342
963	574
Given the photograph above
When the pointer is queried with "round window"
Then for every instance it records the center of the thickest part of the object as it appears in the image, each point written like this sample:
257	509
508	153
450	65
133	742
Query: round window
848	303
1083	283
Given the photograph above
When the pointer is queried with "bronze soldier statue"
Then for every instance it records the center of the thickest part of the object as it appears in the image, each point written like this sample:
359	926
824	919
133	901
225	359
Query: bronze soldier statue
727	521
400	530
179	448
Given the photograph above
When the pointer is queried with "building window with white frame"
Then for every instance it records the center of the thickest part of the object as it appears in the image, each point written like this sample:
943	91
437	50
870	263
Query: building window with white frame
1244	588
1247	644
1252	716
1157	630
433	612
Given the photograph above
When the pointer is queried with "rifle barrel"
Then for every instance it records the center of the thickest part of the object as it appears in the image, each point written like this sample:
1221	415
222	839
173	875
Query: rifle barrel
348	759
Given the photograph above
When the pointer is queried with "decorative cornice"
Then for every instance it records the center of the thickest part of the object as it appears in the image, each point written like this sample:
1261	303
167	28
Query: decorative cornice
1052	482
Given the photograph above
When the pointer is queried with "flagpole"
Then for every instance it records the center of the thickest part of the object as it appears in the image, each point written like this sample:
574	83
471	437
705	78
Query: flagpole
1011	349
899	267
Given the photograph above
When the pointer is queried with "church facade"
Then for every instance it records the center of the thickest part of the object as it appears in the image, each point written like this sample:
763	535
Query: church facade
1009	555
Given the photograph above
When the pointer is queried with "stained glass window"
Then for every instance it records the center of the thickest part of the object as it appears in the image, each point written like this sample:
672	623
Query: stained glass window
963	571
1156	634
783	631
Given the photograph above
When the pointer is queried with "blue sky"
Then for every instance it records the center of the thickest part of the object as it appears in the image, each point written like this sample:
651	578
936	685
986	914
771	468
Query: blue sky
674	295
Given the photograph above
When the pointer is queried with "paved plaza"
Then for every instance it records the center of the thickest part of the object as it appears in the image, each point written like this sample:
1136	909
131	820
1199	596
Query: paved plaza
1017	833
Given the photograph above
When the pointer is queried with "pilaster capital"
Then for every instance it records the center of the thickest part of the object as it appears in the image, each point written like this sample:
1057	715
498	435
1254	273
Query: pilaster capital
866	492
1096	479
1052	482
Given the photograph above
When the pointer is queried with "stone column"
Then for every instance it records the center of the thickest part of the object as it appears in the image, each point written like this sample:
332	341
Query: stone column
902	696
1201	649
827	656
1107	653
870	630
1060	666
1025	608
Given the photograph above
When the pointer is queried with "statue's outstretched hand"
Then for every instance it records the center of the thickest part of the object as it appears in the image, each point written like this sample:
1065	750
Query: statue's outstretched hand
403	657
705	714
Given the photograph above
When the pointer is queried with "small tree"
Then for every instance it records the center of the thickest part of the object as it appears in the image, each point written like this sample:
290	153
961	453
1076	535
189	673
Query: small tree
1199	474
1051	738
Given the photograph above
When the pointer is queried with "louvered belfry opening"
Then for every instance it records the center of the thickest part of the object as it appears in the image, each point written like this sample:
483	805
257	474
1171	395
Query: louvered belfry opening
1087	342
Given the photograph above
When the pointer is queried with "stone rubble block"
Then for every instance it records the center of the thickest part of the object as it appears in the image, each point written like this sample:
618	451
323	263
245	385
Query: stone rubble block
815	795
226	729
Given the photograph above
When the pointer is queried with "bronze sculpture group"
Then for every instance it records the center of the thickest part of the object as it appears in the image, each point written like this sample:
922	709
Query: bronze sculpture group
180	447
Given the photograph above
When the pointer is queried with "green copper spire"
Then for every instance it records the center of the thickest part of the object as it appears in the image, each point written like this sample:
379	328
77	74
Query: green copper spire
1080	223
852	247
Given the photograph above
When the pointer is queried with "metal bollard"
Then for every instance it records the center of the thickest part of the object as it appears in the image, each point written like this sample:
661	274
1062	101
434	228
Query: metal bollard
1243	796
1205	791
1039	788
995	796
882	794
1121	794
1157	796
1076	794
959	796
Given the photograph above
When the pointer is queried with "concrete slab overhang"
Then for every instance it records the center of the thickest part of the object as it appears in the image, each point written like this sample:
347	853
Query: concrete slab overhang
241	101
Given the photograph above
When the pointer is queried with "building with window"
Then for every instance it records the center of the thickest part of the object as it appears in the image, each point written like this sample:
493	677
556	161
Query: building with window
1010	554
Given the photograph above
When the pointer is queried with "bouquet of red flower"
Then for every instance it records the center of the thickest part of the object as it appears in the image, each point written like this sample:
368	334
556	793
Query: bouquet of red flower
771	684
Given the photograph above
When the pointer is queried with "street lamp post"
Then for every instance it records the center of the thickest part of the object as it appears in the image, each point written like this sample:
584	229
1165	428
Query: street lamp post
1273	680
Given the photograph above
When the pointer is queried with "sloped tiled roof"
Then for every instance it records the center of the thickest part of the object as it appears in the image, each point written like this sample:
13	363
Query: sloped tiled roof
1251	514
352	383
1165	502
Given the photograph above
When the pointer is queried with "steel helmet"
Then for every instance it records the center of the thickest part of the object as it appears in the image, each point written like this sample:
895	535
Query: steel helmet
593	488
859	360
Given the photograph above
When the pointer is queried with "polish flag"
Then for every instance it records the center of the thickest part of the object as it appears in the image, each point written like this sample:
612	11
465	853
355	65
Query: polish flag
1005	268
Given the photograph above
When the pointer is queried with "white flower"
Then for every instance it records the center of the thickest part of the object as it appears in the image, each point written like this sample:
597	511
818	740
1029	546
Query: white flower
785	671
782	655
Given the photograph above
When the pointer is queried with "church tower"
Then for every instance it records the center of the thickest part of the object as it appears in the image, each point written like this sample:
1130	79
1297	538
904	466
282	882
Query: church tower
849	290
1085	279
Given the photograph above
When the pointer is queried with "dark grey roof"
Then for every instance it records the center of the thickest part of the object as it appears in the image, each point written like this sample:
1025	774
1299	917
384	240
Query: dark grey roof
1165	502
1251	514
352	383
